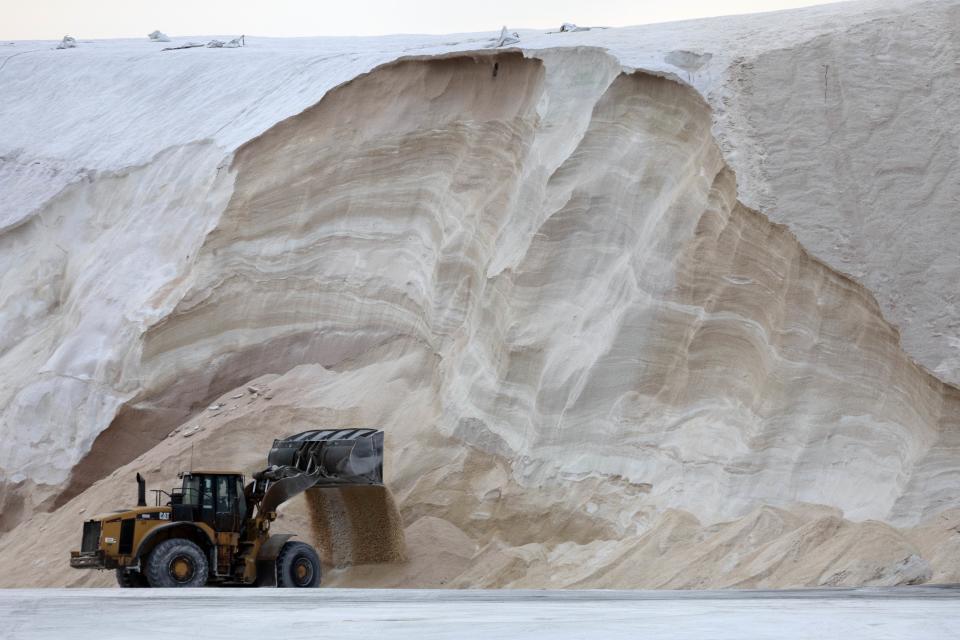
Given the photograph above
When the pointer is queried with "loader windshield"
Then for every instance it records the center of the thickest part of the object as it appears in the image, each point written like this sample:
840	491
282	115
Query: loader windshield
191	490
226	493
198	490
214	498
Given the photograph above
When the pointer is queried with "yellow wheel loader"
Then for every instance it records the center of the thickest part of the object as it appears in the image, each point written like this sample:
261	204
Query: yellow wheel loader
215	530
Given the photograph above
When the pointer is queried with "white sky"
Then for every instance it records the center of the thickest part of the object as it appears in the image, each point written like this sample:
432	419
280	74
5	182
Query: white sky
52	19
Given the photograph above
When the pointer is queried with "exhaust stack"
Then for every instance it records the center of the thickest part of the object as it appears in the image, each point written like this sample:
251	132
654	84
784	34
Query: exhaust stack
141	491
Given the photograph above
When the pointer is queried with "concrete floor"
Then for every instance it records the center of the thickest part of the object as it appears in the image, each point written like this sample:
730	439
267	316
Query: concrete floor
238	614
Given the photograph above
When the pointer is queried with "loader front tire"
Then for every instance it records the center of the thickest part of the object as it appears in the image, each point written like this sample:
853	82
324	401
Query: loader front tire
131	579
177	563
298	566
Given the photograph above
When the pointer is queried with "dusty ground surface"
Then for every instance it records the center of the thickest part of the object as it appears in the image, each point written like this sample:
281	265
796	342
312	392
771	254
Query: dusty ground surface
880	614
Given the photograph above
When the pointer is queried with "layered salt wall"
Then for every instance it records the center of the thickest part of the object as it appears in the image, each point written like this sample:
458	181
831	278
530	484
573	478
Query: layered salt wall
595	365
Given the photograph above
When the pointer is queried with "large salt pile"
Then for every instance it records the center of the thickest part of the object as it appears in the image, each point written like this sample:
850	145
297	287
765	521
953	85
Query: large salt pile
666	306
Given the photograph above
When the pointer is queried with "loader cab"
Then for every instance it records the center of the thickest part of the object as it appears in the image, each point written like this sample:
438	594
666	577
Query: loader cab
214	498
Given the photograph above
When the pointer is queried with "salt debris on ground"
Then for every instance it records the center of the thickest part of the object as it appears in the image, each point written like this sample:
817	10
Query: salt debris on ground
212	44
507	37
158	36
68	42
189	45
220	44
192	431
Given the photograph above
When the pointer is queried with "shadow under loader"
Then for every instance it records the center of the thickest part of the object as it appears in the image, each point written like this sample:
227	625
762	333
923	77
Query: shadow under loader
215	530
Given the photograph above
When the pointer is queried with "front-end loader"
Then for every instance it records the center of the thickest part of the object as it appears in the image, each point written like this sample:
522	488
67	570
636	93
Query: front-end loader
215	530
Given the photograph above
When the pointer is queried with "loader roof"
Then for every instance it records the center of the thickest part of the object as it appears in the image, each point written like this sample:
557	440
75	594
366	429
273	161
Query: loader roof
213	472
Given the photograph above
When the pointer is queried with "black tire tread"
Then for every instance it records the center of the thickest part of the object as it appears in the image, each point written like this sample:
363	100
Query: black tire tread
156	572
290	552
131	579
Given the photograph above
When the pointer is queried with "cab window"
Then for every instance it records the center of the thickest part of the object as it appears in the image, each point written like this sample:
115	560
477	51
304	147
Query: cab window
191	490
206	492
241	500
224	497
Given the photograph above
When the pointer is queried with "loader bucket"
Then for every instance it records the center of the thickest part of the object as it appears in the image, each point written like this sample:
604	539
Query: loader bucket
334	457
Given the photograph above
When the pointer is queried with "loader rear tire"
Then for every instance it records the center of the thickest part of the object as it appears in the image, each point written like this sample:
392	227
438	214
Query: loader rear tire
298	566
131	579
177	563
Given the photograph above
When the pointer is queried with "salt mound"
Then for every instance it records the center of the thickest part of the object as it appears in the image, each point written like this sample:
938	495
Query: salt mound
623	314
472	526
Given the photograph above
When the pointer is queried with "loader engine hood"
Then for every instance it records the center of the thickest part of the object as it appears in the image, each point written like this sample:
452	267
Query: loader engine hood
140	513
